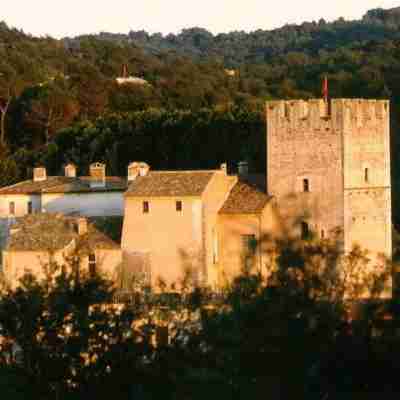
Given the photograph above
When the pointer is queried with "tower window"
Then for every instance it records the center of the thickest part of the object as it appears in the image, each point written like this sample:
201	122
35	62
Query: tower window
178	206
305	231
366	175
30	208
306	185
92	265
322	234
11	208
146	207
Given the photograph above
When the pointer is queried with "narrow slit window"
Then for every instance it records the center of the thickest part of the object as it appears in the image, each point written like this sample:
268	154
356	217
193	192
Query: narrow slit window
305	231
146	207
306	185
30	208
92	265
322	234
366	175
178	206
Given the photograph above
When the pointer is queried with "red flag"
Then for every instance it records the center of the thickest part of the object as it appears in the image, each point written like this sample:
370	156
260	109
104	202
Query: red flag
325	90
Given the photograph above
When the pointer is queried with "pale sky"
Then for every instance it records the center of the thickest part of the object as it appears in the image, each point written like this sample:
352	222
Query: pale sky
60	18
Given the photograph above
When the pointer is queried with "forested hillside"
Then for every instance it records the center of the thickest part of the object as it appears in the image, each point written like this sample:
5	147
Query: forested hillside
203	100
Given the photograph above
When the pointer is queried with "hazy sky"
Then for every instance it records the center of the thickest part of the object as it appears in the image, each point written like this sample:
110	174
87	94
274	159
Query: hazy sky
59	18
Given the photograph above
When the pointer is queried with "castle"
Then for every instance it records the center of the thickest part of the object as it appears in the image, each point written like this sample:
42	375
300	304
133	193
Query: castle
335	159
328	167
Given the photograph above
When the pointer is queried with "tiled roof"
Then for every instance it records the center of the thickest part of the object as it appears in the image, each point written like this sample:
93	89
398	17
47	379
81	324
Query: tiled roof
63	184
246	197
170	183
51	232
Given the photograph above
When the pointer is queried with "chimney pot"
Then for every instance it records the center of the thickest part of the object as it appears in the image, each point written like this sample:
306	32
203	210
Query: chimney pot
136	169
82	226
70	170
224	168
39	174
98	175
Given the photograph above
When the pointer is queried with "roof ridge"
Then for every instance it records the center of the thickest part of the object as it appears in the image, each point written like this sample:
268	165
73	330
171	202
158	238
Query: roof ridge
184	171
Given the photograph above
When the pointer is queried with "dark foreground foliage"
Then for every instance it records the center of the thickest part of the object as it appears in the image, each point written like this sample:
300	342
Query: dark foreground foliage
294	335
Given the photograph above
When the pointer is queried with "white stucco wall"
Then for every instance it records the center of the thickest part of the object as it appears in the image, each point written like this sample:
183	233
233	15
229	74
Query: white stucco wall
105	204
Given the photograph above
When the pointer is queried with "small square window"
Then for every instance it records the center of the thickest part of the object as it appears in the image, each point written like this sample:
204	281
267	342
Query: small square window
178	206
11	208
146	207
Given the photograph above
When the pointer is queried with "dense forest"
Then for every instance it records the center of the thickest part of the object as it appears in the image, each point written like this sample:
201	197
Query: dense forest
201	101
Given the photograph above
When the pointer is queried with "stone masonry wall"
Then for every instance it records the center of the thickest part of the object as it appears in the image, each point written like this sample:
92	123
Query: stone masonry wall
367	186
304	143
344	153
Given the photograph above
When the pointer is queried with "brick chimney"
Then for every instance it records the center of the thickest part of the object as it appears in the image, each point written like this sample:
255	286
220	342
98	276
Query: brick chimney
97	175
82	226
70	170
39	174
136	169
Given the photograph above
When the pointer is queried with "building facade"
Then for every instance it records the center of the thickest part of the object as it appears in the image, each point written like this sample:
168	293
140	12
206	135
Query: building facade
40	240
328	166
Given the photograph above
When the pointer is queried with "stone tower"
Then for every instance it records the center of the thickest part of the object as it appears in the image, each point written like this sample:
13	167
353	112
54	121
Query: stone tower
330	165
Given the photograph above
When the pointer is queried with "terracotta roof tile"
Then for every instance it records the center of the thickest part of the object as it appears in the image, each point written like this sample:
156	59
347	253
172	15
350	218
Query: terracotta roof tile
245	198
51	232
170	183
63	184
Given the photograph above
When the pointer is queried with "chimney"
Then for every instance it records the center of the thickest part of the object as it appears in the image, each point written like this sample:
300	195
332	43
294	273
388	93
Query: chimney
97	175
39	174
224	168
70	170
144	168
136	169
243	169
82	226
133	171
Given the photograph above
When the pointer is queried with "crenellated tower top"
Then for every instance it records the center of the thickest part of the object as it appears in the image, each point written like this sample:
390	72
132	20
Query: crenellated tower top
317	114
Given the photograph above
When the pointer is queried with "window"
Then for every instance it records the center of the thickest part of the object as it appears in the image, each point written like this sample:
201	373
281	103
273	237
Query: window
178	206
11	207
249	245
305	231
322	234
92	265
146	207
306	185
30	208
366	175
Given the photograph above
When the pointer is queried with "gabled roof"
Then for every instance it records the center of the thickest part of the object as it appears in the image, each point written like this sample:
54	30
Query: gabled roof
64	184
170	183
51	232
246	197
